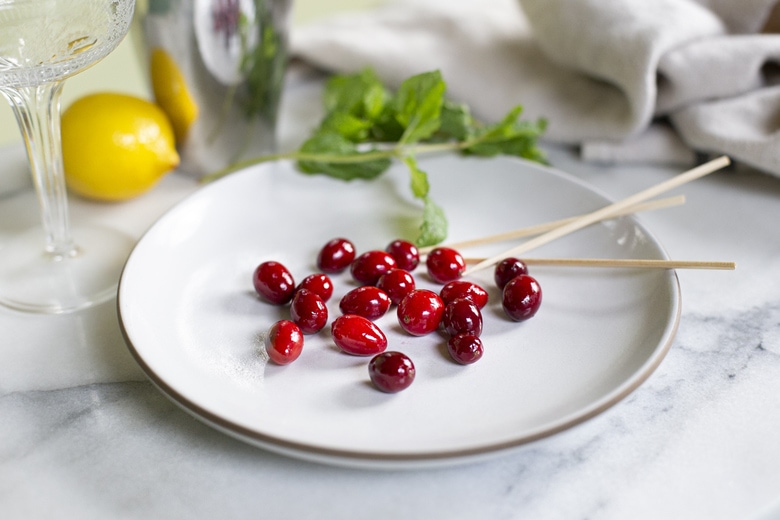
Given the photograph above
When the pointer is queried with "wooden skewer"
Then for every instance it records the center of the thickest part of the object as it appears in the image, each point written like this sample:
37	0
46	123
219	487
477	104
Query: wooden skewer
547	226
605	212
624	262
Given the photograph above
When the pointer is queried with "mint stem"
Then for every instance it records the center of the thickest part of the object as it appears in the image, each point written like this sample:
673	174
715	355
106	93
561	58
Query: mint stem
394	152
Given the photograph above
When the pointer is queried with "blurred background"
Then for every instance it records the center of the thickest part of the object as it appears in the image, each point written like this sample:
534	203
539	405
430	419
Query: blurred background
124	69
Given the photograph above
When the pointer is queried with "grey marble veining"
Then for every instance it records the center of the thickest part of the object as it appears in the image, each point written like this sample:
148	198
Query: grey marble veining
94	450
84	435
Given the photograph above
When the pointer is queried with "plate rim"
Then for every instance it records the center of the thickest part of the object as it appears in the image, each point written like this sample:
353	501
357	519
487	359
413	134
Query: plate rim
363	458
404	459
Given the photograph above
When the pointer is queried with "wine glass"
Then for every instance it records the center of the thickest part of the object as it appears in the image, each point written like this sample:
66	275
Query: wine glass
42	43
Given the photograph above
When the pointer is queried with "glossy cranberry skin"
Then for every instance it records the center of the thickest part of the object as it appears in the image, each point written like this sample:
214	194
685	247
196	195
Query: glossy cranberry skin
464	289
283	342
397	283
273	282
308	311
445	265
507	269
357	335
368	267
320	284
406	254
420	312
391	371
462	316
367	301
336	255
465	348
522	297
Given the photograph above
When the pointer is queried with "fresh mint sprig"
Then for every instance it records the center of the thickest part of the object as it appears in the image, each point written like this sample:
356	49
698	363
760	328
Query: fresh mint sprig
366	127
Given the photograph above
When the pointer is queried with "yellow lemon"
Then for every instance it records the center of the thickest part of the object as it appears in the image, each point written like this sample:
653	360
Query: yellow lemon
171	93
116	146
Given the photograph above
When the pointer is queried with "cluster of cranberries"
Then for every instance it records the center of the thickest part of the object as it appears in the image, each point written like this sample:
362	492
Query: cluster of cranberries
385	279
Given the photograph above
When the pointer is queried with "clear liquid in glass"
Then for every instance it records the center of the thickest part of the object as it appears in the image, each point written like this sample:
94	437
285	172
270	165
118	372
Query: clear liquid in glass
43	42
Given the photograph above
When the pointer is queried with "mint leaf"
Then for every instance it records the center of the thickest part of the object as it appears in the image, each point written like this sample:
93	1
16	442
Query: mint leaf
419	179
522	142
361	95
510	136
418	105
375	98
456	122
503	128
433	229
330	144
346	125
386	128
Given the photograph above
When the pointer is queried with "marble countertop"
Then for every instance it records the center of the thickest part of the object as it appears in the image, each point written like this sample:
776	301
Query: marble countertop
84	434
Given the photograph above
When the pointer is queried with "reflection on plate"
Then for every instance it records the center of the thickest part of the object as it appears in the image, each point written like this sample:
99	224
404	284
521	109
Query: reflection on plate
192	321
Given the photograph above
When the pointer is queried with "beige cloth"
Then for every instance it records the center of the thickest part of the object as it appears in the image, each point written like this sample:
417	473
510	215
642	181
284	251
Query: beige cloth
603	72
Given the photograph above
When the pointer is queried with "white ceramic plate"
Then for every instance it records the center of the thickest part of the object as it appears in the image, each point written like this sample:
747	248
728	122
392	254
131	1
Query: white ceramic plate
191	319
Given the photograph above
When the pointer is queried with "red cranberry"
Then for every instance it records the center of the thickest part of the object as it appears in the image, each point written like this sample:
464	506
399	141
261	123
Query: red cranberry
464	289
406	254
367	301
397	283
465	348
336	255
507	269
273	282
357	335
445	265
319	284
308	311
368	267
462	316
391	371
420	312
522	297
283	342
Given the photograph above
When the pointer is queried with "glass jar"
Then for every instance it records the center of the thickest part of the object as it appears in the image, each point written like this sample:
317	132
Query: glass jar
217	68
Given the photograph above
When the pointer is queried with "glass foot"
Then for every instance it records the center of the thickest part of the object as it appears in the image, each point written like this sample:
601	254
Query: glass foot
33	280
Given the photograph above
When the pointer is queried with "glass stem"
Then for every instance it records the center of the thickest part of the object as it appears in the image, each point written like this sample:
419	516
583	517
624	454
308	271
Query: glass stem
37	109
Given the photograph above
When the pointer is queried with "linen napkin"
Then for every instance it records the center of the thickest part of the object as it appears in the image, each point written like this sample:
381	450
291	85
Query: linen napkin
625	80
